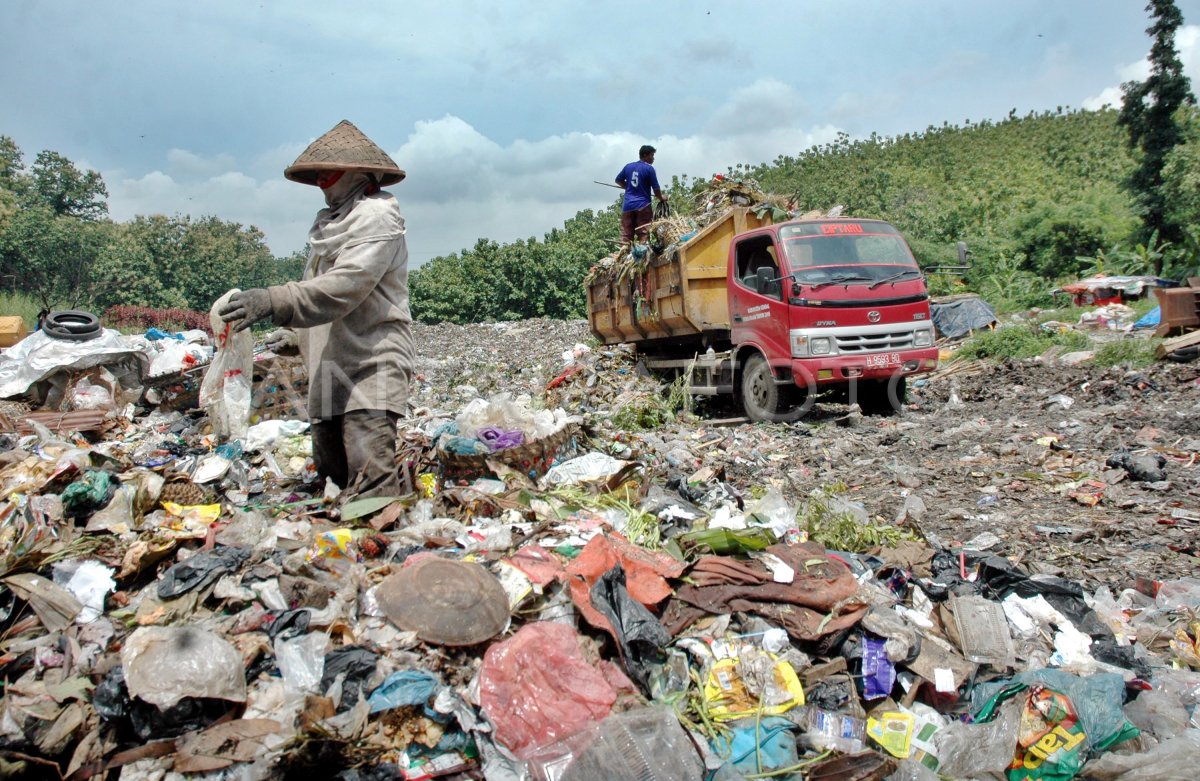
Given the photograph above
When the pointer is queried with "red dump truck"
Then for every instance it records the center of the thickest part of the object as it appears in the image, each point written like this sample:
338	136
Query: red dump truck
776	313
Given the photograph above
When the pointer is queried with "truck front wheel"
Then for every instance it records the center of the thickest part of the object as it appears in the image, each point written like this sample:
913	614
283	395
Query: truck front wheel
762	398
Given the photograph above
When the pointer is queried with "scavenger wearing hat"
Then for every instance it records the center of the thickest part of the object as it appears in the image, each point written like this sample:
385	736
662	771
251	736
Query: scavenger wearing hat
345	148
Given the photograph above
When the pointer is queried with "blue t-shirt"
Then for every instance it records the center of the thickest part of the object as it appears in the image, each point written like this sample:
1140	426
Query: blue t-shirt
640	180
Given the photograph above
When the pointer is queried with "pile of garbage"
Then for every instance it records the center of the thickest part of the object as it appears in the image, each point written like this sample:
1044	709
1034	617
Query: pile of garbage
669	230
661	597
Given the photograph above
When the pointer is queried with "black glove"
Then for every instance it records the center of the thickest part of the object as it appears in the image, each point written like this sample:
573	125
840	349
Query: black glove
247	307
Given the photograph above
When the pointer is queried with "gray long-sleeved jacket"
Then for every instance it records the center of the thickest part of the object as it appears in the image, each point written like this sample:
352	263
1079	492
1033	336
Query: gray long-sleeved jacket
351	310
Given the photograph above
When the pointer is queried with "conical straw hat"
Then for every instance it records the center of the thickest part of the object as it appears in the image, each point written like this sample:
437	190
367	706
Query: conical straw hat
345	148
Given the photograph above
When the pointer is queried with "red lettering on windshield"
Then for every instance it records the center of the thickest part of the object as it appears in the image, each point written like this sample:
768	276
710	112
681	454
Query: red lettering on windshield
844	227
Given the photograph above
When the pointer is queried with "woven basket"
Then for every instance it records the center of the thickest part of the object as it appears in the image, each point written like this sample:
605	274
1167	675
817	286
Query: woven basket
531	458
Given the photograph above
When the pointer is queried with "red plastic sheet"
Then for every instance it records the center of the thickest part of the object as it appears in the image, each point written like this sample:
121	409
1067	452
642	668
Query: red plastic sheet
536	688
539	565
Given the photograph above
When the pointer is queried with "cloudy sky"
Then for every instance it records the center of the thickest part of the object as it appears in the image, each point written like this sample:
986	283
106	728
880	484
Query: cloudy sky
503	117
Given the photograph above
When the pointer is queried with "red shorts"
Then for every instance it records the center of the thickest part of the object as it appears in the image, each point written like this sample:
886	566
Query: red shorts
636	221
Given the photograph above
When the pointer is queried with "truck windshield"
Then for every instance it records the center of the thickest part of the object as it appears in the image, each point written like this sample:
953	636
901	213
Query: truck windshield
821	253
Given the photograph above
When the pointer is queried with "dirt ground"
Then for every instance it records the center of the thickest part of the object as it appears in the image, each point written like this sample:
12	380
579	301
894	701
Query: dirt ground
1016	449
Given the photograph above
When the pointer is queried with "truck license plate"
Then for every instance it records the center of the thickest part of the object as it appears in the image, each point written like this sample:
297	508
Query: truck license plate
883	360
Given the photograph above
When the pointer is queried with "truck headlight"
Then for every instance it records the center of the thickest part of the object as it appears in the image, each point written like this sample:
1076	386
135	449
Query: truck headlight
923	337
819	345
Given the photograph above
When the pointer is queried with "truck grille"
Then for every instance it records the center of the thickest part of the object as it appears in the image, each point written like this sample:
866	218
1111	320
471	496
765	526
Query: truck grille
869	343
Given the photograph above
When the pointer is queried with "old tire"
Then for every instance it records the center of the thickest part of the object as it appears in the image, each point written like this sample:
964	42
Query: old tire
882	397
762	398
72	325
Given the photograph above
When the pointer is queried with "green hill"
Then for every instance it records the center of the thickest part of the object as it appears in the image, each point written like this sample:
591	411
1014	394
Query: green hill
1037	198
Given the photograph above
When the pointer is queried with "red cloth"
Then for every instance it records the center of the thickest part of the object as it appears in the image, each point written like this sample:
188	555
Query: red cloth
645	574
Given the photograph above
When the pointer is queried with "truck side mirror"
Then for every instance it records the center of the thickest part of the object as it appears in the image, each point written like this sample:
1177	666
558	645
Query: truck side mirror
763	275
963	253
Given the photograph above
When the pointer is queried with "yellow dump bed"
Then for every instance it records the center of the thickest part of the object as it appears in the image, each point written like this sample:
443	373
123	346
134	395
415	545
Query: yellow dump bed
680	293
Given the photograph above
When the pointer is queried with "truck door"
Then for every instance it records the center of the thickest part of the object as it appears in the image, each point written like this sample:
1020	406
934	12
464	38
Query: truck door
759	316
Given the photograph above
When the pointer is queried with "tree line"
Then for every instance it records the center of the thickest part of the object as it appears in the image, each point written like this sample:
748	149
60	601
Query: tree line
59	246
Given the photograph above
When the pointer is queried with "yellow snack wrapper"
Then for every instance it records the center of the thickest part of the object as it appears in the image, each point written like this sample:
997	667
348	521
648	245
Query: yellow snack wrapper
728	698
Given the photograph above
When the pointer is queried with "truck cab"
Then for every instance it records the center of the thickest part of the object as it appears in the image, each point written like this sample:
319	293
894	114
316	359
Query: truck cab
825	302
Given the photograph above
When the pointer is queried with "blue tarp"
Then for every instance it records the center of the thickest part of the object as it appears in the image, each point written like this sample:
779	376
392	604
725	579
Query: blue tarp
1151	319
960	317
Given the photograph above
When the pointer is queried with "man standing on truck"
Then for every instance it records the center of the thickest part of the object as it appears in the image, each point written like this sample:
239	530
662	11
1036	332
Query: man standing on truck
638	178
350	312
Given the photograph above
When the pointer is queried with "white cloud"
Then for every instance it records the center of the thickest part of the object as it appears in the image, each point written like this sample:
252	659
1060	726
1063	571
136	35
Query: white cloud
462	185
1109	96
1187	43
189	164
760	107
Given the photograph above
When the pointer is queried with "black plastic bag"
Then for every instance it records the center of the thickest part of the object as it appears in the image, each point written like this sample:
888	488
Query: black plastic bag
639	634
358	665
110	698
385	771
201	570
1000	578
137	720
288	624
1143	467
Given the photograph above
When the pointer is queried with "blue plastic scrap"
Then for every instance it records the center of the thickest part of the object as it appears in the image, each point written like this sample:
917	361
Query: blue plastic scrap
406	687
757	748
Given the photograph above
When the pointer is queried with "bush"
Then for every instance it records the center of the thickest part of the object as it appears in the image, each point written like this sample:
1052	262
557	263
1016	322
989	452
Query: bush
27	307
1130	353
1020	342
141	318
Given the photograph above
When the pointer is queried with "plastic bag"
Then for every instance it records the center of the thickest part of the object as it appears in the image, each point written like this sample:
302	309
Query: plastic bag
87	395
166	664
588	468
301	661
225	391
755	747
406	687
773	511
640	745
536	688
89	493
639	634
88	581
1172	759
1064	718
970	750
1182	594
200	570
1158	713
148	722
263	435
355	666
505	412
753	682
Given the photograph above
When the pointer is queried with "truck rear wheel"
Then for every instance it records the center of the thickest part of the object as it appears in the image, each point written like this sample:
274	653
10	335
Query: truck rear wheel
762	398
882	397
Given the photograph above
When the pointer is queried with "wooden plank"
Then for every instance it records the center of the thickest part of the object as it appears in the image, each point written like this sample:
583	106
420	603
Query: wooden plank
1178	343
